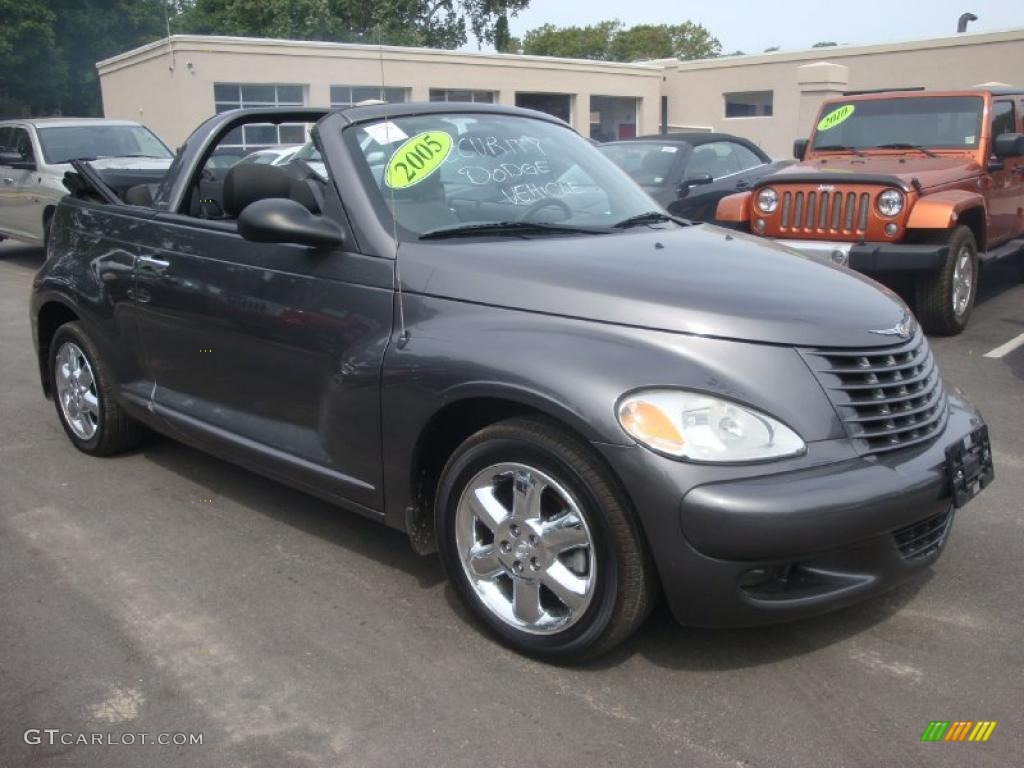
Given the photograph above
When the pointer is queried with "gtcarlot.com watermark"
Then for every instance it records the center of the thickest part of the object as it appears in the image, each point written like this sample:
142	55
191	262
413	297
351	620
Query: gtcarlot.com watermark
56	737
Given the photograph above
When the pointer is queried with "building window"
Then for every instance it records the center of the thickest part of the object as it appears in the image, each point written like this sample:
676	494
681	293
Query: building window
749	104
613	117
227	96
479	97
348	95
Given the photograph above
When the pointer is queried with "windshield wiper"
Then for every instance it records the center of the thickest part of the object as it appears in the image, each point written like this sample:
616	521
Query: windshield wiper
508	228
649	217
905	145
839	148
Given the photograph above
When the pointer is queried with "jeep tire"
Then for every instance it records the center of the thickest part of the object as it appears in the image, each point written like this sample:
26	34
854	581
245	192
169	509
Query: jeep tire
944	299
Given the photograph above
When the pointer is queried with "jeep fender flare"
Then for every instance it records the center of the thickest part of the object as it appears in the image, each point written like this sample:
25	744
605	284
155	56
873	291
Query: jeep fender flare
735	207
943	210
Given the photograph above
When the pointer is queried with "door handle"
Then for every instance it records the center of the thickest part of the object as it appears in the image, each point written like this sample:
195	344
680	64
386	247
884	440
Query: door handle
8	181
153	264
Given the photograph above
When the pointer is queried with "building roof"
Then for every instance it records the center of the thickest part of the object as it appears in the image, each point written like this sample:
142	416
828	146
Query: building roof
843	51
225	44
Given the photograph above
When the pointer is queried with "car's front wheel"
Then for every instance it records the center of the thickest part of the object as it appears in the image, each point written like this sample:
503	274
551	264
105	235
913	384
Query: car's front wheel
539	542
944	300
82	387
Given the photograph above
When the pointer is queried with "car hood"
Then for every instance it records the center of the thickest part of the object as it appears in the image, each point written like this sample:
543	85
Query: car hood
929	171
700	280
126	164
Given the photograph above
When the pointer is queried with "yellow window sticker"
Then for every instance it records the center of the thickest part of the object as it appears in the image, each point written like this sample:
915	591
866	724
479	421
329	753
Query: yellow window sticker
417	159
835	117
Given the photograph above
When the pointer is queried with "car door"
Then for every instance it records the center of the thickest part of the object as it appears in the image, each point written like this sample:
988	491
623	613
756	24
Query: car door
268	353
18	209
732	167
1007	181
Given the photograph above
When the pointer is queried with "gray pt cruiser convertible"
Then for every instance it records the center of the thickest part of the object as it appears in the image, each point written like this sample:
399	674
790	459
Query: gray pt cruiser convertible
475	328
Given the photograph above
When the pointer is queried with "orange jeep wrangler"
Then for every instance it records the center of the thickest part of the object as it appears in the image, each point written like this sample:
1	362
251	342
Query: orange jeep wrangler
914	188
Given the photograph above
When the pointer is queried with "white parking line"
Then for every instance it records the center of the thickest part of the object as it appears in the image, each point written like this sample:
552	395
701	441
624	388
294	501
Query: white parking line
1004	349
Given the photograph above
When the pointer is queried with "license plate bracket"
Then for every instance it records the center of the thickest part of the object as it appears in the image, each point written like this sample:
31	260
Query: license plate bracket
969	466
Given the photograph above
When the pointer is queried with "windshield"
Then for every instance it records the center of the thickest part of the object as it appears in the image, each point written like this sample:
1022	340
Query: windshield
648	164
433	172
81	142
938	122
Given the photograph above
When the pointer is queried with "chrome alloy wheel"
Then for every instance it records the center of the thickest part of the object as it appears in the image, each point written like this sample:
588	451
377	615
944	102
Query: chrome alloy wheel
76	391
526	548
963	281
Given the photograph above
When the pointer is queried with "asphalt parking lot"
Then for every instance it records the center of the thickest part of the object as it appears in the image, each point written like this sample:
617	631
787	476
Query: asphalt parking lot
166	591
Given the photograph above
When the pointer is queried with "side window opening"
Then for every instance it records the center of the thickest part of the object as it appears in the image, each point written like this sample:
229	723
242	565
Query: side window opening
1003	118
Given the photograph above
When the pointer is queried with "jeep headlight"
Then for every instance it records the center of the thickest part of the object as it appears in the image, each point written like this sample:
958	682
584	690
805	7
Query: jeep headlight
699	427
890	202
767	200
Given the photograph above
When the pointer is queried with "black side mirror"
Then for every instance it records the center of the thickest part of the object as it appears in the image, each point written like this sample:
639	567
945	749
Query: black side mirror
1008	145
695	181
15	160
799	148
279	220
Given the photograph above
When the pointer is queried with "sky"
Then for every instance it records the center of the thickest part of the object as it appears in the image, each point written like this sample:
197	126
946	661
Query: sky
751	26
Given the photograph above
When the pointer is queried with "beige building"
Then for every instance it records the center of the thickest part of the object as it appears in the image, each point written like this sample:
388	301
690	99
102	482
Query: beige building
175	83
772	98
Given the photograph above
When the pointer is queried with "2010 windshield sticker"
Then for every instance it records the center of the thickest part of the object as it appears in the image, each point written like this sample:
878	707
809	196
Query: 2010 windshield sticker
835	117
417	159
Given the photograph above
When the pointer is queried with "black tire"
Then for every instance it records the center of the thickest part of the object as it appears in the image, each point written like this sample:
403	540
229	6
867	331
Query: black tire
625	583
934	292
116	431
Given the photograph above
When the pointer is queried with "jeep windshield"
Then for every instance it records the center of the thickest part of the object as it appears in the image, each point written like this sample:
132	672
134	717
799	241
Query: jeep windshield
493	175
934	122
63	143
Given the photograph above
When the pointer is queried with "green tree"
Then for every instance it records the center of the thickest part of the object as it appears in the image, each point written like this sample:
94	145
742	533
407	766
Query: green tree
613	41
31	75
49	48
772	49
824	44
431	23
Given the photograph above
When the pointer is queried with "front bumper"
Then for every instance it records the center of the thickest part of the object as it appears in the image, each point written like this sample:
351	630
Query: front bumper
874	258
759	549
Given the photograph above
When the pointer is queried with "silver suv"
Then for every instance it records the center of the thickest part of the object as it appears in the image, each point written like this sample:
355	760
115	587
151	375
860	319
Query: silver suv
35	154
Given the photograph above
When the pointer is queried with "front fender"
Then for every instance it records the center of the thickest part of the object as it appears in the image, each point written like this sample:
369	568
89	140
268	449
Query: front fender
734	208
574	371
943	209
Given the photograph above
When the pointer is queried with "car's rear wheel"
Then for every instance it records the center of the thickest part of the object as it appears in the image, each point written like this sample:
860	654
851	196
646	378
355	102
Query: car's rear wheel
82	389
539	543
944	300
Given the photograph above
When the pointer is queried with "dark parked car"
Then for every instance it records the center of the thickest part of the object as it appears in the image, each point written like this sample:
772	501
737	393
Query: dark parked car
688	173
478	331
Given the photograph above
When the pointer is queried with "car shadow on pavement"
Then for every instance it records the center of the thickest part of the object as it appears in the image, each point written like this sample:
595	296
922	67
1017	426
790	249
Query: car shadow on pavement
18	255
667	644
660	640
294	508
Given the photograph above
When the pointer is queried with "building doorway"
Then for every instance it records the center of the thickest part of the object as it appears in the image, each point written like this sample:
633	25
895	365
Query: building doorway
557	104
613	117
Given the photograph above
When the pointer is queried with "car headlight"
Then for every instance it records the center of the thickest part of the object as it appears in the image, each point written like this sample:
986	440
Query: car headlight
890	202
699	427
767	199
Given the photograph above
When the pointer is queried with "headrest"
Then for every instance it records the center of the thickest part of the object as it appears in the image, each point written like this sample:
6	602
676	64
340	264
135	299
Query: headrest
248	182
140	194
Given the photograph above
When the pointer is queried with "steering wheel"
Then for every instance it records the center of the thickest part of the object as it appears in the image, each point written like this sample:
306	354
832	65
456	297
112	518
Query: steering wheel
540	205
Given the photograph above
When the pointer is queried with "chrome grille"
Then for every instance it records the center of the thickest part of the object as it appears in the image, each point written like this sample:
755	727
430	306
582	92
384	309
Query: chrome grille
824	212
886	397
925	537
